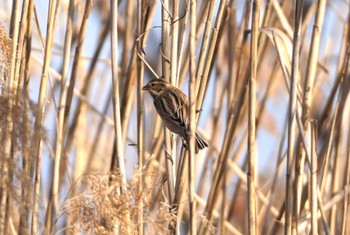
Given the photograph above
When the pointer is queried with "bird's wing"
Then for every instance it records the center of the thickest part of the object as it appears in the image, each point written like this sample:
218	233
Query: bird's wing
180	112
172	105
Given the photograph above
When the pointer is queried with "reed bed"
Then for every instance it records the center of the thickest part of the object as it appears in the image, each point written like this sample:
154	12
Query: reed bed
82	150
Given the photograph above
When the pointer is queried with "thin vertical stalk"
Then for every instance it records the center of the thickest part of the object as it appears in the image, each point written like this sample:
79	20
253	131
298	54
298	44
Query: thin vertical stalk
116	105
28	43
166	20
307	101
329	145
26	194
343	92
313	176
174	44
205	76
313	59
192	123
63	93
76	60
20	42
291	118
179	187
252	226
243	30
205	42
128	37
37	182
41	100
346	189
335	178
6	200
118	158
140	125
345	71
174	61
322	212
14	31
223	204
200	23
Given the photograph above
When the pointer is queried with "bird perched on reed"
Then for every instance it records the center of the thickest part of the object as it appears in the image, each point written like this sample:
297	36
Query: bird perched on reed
172	106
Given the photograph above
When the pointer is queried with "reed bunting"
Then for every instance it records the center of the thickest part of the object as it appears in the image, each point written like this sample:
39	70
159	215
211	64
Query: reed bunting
172	106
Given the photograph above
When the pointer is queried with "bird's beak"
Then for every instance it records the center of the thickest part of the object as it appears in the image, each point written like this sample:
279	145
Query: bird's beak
145	88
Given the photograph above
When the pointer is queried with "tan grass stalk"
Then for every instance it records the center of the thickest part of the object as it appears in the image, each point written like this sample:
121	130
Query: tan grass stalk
213	40
335	181
223	205
165	54
6	131
24	226
14	32
203	11
180	187
119	152
80	39
130	78
140	124
36	194
252	205
174	43
241	58
181	40
347	169
346	189
326	151
281	16
41	100
20	42
192	120
335	173
307	100
313	176
232	36
28	43
289	205
128	39
329	148
322	211
205	42
211	148
127	98
63	92
340	64
6	171
119	157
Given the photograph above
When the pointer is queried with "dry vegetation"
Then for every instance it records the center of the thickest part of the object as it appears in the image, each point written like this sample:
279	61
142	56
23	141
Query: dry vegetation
82	150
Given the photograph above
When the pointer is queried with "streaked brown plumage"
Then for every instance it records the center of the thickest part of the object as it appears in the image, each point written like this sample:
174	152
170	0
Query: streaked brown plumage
172	106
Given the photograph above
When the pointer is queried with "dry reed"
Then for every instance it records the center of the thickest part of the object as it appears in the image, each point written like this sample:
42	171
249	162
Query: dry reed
82	150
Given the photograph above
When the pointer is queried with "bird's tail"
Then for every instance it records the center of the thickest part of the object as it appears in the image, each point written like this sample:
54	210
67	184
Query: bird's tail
200	143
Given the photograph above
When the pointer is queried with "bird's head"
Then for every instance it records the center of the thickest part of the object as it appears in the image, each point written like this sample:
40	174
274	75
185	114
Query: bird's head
156	86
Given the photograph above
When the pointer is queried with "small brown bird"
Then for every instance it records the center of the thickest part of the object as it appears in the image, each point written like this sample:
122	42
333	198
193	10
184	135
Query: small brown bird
172	106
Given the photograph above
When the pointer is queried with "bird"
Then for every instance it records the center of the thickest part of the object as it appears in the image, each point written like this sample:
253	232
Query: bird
172	106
